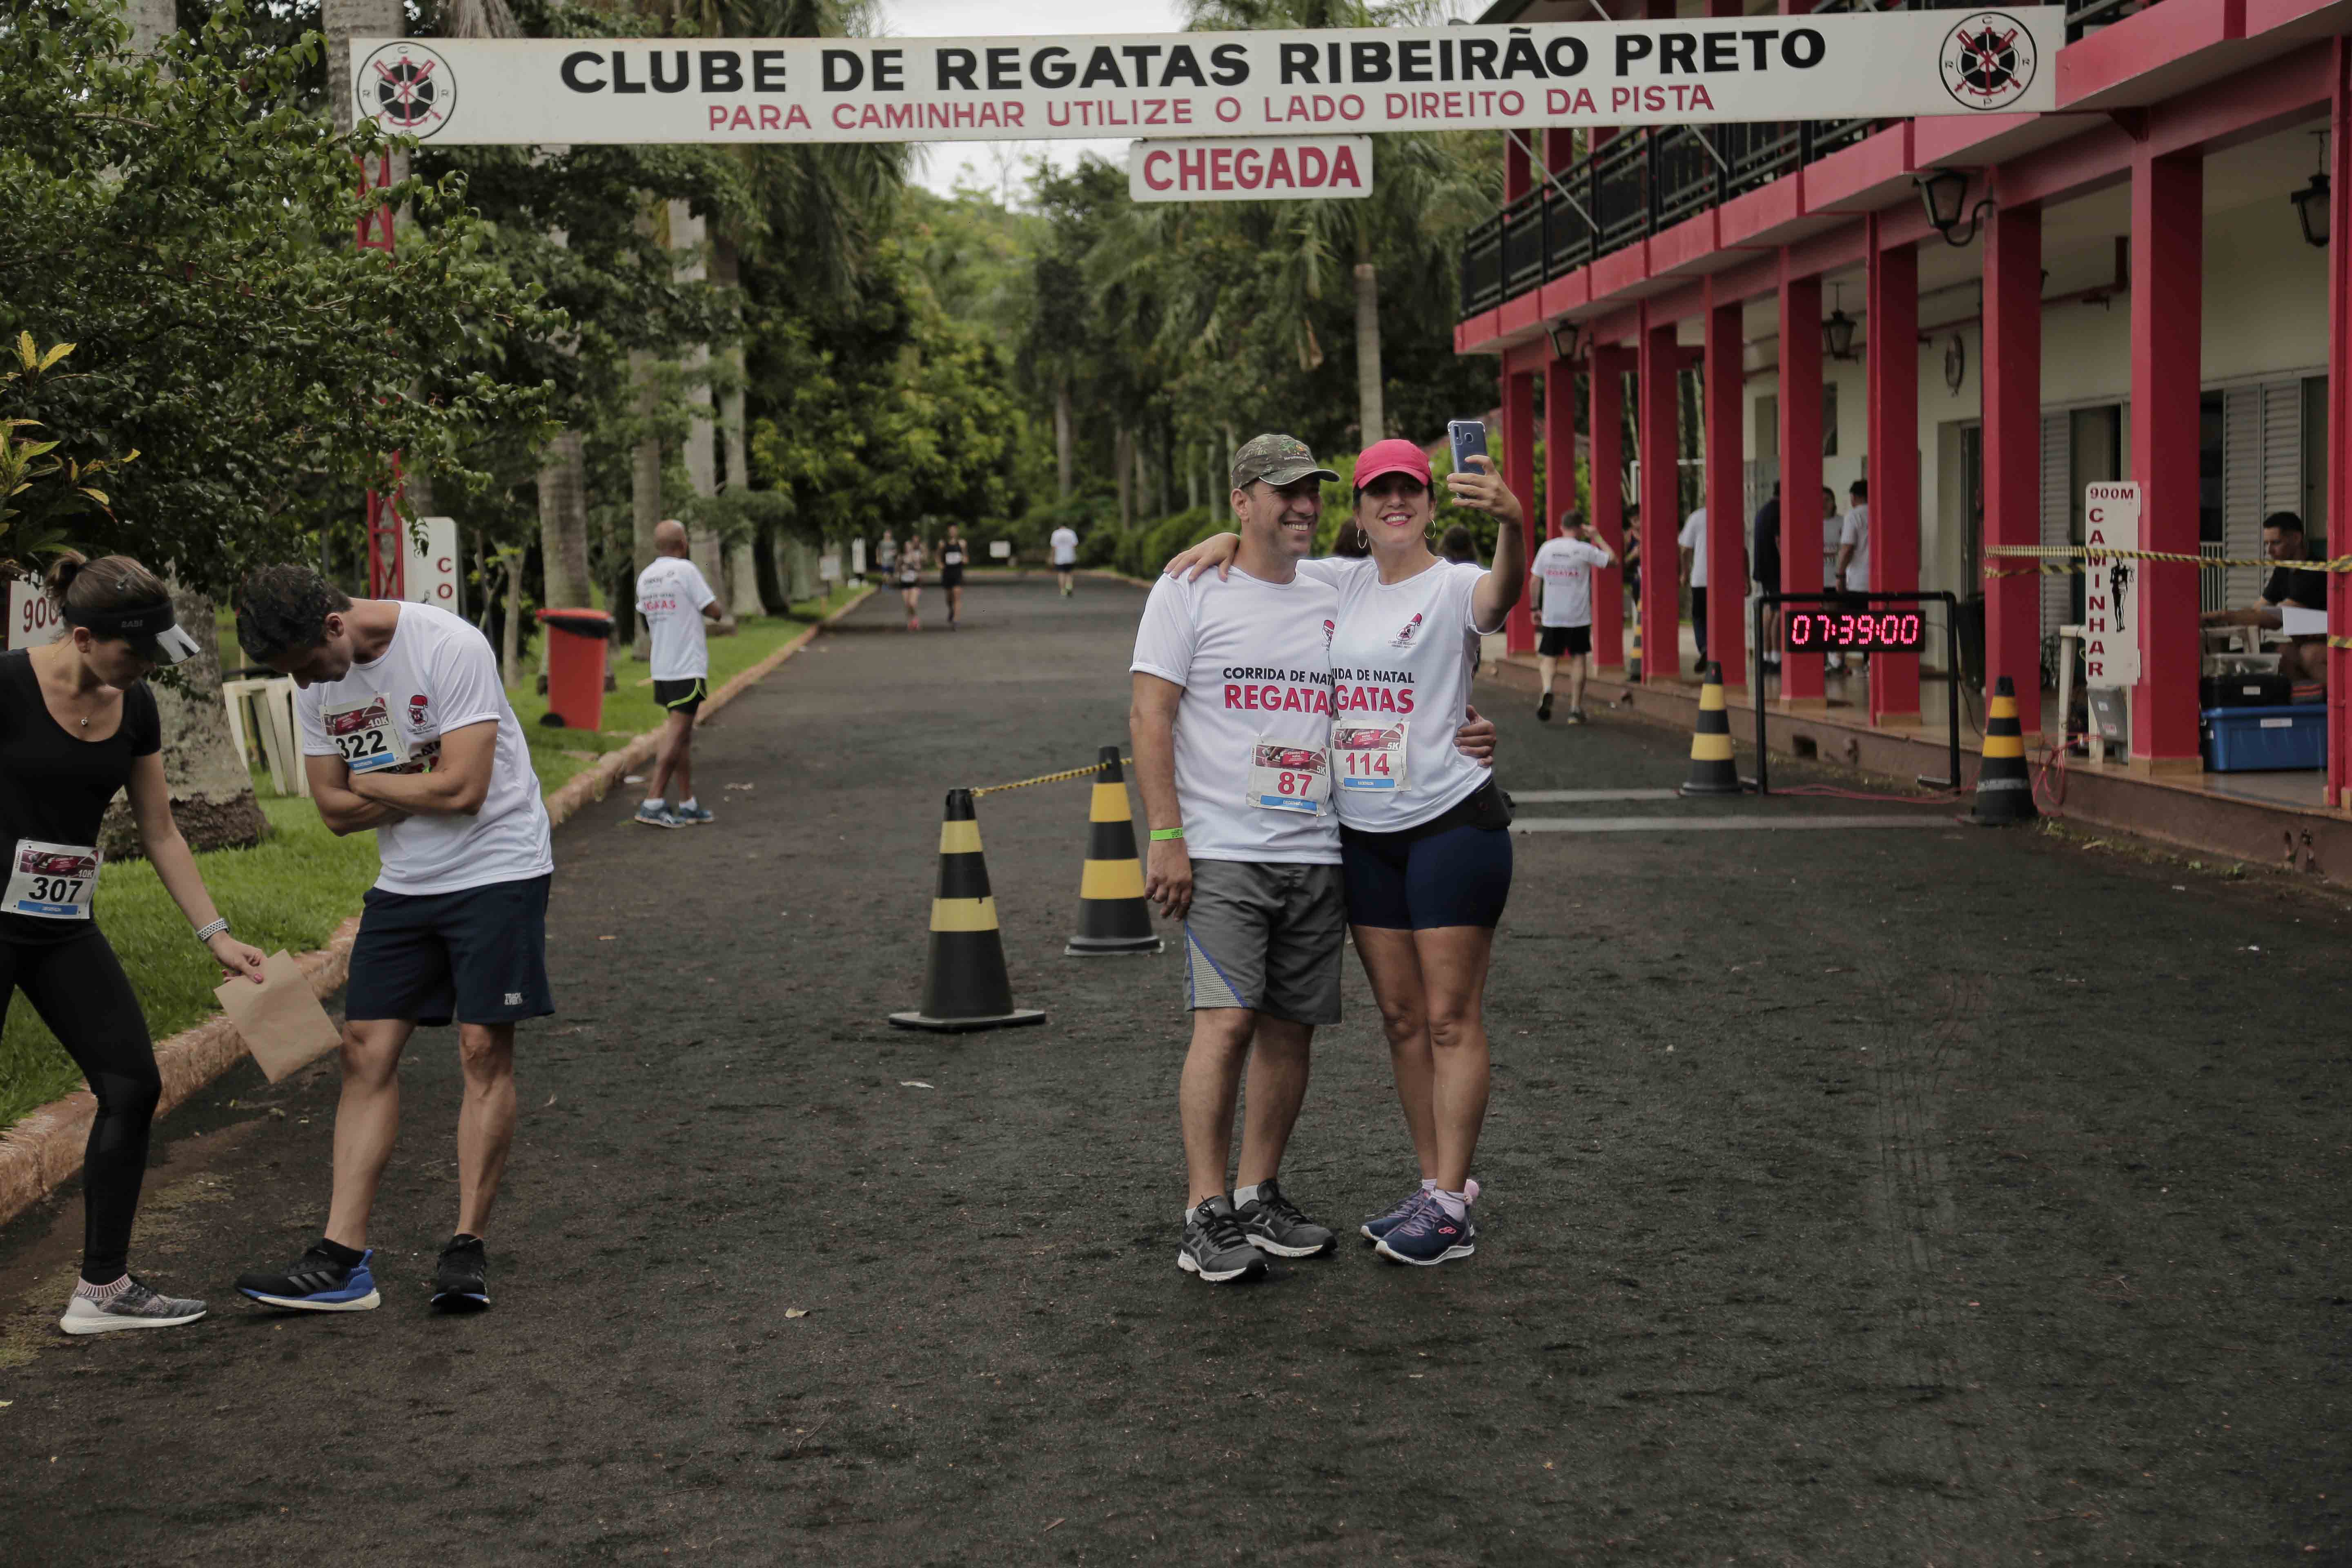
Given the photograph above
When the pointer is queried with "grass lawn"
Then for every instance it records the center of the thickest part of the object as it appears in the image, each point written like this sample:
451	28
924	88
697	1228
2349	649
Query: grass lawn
293	890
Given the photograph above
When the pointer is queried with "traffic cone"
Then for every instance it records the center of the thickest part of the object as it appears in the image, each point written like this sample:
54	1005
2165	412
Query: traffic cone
1712	770
1112	916
965	986
2004	786
1634	655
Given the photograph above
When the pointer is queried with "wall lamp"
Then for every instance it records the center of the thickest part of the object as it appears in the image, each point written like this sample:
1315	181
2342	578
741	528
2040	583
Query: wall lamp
1945	193
1564	345
2310	202
1837	333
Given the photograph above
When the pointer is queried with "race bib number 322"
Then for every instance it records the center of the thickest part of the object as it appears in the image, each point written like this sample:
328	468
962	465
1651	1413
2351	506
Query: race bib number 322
51	882
1287	777
365	735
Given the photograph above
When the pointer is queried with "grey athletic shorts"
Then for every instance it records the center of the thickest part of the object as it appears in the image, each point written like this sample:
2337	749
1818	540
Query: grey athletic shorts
1265	935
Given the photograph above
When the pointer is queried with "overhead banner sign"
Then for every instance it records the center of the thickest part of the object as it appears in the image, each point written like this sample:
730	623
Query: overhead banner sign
1857	66
2110	585
1250	168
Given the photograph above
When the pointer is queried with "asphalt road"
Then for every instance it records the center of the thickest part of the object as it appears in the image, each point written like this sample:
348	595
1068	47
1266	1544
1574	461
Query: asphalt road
1853	1196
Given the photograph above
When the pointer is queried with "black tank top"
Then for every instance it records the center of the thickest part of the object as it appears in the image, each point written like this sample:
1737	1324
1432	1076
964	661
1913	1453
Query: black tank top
55	787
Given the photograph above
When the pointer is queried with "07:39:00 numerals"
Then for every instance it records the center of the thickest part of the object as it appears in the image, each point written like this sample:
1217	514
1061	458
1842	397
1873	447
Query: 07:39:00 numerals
1849	631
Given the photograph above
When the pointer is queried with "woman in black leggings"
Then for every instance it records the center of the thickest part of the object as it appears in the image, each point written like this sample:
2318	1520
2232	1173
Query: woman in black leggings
77	725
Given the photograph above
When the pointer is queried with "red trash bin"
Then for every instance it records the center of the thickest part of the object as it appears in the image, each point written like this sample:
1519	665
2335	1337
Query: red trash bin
576	641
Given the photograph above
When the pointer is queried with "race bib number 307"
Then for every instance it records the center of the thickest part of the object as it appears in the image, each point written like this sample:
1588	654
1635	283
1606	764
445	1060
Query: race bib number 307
1288	777
366	735
51	882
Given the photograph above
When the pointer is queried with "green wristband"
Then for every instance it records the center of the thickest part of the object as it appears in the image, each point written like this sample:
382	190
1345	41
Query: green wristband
1160	835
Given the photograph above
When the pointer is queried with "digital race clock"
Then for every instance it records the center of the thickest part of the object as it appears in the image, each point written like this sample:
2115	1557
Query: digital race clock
1854	631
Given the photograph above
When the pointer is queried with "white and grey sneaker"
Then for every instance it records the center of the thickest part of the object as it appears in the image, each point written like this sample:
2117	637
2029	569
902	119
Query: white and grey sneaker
129	1305
1214	1246
1272	1223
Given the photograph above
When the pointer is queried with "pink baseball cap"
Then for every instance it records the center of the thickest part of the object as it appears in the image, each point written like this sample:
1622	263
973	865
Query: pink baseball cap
1394	456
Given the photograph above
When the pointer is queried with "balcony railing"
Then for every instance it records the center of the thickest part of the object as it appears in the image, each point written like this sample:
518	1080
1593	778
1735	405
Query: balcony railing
1651	179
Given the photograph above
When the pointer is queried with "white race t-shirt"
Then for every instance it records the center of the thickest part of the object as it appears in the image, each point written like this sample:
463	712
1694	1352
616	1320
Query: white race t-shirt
1254	660
438	675
1401	661
1065	547
1855	530
670	595
1565	565
1694	539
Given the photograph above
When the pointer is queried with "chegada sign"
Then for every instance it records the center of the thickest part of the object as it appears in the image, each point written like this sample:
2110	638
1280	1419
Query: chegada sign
1250	168
2110	585
1863	65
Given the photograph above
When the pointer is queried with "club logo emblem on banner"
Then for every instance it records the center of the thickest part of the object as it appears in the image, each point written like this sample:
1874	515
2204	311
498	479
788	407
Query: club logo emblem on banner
411	87
1989	60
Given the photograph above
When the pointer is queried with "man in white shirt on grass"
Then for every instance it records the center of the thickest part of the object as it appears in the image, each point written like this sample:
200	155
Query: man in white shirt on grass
1064	545
676	600
1563	572
407	731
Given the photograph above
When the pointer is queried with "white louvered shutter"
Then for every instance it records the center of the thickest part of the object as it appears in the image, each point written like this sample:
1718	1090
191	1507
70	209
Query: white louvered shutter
2241	491
2056	467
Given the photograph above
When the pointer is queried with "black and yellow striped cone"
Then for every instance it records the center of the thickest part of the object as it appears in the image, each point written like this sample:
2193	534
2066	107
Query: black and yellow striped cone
2004	786
1634	655
1112	916
965	986
1712	770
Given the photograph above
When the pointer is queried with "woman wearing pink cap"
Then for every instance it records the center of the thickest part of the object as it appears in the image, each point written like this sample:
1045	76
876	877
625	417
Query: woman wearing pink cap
1424	832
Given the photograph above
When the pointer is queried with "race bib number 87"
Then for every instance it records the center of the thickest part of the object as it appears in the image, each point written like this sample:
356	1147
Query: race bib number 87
1288	777
51	882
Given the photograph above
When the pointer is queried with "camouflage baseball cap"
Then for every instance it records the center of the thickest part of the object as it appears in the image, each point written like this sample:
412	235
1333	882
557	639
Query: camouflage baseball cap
1277	459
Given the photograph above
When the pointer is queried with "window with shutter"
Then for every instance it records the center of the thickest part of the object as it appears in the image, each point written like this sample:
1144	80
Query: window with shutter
2241	497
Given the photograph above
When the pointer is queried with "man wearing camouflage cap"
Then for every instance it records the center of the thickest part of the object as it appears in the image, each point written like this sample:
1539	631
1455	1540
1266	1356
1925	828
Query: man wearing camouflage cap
1232	722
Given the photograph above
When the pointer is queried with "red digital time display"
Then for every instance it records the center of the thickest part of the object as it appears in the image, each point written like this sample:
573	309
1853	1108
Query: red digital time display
1854	631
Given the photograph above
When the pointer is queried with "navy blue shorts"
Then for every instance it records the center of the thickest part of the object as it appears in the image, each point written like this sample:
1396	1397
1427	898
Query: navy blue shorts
1401	881
477	955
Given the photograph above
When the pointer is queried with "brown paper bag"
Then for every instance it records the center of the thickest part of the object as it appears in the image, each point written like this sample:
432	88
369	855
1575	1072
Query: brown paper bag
280	1018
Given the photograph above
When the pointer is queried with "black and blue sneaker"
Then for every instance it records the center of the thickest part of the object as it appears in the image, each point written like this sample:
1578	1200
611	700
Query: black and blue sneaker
1429	1236
316	1282
1380	1225
461	1280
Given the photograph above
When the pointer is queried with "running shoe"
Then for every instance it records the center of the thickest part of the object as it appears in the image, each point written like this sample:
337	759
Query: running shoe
1543	708
1214	1246
1578	716
315	1282
1272	1223
134	1306
692	816
1429	1236
654	813
461	1280
1380	1224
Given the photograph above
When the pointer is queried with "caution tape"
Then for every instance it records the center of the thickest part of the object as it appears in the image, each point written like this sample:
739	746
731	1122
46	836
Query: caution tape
1049	778
2062	558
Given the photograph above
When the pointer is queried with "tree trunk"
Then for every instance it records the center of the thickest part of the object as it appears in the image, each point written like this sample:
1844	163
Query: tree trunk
644	489
1122	463
765	569
1368	410
510	634
1226	470
746	594
1155	464
563	522
1192	478
687	236
1063	455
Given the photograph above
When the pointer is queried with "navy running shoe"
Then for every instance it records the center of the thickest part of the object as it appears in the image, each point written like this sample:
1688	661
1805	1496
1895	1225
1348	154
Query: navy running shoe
1380	1224
461	1280
315	1282
1429	1236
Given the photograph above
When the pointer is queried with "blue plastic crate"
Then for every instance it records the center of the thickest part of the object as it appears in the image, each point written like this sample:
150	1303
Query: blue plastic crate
2255	740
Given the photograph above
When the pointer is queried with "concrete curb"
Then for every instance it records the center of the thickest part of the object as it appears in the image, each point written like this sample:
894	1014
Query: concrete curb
42	1152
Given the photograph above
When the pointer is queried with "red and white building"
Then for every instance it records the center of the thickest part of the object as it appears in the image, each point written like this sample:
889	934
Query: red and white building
2141	301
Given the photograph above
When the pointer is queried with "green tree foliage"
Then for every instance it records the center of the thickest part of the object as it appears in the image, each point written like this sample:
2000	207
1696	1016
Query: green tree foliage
187	221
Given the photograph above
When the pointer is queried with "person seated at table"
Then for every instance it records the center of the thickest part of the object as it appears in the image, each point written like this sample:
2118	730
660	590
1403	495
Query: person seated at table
2306	659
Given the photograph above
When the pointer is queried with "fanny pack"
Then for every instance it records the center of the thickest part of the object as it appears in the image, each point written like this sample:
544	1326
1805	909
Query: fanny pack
1488	807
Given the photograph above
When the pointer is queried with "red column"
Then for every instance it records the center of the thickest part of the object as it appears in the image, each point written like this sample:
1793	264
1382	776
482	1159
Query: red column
2340	427
1661	608
1518	177
2012	453
1519	473
1560	445
1800	463
1726	502
1607	460
2167	264
1892	373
